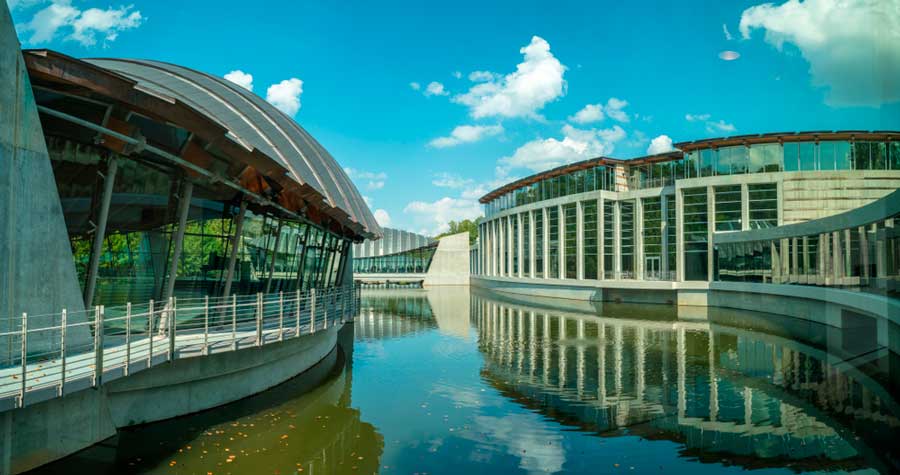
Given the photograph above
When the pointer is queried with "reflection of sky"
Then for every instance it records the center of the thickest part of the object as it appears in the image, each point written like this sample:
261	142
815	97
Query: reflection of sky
438	414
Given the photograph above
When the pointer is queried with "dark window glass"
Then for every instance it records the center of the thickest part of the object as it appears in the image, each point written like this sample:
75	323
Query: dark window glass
589	211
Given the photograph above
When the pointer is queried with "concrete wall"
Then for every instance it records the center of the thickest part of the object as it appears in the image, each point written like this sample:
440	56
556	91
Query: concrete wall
37	271
814	195
450	264
38	434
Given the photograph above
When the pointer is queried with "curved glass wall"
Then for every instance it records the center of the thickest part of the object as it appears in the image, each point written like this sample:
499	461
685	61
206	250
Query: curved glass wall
415	261
723	161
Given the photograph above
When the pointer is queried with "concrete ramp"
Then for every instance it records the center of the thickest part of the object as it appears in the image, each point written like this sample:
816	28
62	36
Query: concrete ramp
37	272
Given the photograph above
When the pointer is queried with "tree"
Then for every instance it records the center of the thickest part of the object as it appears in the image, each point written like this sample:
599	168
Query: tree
466	225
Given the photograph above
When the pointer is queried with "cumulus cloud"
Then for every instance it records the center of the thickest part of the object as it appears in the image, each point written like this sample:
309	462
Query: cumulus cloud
712	126
415	86
245	80
435	88
383	218
442	211
371	180
482	76
597	112
467	134
538	80
85	25
286	95
576	144
450	180
852	46
660	144
589	113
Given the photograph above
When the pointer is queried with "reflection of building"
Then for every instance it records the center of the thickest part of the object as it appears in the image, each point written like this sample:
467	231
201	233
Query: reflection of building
406	258
749	398
386	314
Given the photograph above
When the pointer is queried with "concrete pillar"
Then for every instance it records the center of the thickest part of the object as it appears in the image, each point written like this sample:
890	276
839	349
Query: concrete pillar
109	180
745	207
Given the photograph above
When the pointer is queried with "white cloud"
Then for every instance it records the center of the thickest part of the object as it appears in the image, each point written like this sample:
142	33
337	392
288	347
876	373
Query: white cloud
245	80
719	126
415	86
614	109
728	55
576	145
435	88
467	134
450	180
589	113
660	144
537	81
383	218
86	25
457	74
728	36
597	112
852	46
372	180
712	126
439	213
482	76
286	95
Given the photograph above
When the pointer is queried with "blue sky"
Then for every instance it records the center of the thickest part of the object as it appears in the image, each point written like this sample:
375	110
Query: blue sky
555	82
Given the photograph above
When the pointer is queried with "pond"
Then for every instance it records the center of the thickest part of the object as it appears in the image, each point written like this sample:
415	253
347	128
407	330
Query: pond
458	381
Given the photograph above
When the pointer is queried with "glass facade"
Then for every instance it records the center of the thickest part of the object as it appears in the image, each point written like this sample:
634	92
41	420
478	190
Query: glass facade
538	243
763	204
414	261
652	238
728	208
589	239
515	244
554	242
626	210
526	244
571	240
696	234
609	239
671	235
579	181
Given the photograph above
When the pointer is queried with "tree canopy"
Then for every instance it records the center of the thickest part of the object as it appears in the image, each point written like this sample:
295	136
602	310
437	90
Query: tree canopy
466	225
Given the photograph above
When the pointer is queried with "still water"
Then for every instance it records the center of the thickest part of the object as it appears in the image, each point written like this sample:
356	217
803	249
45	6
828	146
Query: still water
448	381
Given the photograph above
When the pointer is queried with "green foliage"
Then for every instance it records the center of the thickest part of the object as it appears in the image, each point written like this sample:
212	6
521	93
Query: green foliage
466	225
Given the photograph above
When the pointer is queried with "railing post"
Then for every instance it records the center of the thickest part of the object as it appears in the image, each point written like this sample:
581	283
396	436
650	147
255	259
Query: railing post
127	337
62	352
98	345
150	312
171	328
297	333
259	318
233	322
280	316
206	325
312	310
327	297
24	374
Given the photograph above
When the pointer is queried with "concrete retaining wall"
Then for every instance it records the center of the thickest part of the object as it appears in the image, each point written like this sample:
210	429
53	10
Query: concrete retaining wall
450	264
36	435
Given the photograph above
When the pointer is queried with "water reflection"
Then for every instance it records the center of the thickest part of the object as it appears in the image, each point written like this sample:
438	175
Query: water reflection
303	426
727	395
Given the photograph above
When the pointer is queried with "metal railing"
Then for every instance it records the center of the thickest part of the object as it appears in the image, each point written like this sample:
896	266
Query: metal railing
49	356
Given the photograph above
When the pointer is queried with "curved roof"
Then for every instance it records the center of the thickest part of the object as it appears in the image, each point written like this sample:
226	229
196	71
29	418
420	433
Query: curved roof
253	123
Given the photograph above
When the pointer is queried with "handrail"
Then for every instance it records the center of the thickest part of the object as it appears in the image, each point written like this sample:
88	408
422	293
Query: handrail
61	352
